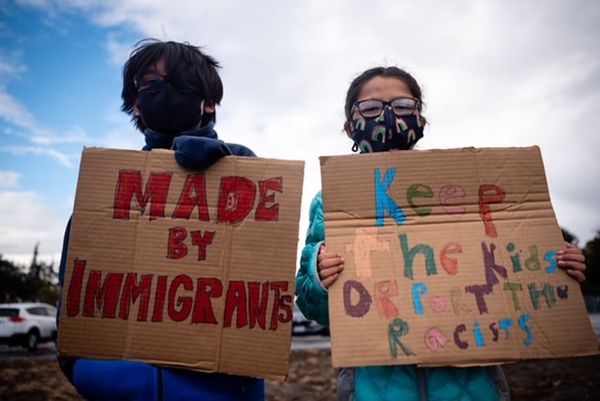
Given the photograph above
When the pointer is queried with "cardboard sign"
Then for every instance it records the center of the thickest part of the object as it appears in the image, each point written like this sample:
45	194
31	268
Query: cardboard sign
449	260
183	268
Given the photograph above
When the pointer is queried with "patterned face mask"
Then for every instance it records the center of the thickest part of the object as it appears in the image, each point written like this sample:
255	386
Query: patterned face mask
386	131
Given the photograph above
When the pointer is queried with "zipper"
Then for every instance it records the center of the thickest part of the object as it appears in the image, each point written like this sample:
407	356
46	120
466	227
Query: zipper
159	384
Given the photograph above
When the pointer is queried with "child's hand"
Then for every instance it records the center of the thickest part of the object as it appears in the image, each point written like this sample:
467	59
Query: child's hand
572	260
329	266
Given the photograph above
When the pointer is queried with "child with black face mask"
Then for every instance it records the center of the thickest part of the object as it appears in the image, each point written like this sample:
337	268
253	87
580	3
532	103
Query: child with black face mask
171	90
384	113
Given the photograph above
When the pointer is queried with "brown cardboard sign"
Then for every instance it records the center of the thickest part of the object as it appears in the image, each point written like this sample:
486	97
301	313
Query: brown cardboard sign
192	269
449	260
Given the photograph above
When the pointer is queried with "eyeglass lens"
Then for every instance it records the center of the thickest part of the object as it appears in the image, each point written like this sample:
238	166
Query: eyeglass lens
147	81
401	106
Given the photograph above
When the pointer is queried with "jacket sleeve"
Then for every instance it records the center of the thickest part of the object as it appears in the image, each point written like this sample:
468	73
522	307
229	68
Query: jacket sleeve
240	150
63	256
66	364
198	153
312	296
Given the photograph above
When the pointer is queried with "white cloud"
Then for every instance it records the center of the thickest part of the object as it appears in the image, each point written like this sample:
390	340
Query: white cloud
123	135
75	135
27	220
15	113
125	139
41	142
493	74
42	4
60	157
11	69
9	179
118	50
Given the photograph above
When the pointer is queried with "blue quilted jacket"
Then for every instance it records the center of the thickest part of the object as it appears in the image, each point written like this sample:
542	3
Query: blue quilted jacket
104	380
402	382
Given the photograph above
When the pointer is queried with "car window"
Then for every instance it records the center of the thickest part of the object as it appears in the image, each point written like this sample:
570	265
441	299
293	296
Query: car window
37	311
8	312
51	311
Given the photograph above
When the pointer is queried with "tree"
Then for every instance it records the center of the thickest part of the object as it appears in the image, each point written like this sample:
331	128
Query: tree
42	279
39	284
12	283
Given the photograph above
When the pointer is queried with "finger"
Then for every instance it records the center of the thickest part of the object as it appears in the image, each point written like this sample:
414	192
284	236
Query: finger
577	257
577	275
323	274
322	248
571	249
571	265
331	262
571	246
327	255
329	280
327	252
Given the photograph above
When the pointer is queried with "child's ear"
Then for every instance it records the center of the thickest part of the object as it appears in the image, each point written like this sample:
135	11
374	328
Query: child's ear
209	107
136	109
348	129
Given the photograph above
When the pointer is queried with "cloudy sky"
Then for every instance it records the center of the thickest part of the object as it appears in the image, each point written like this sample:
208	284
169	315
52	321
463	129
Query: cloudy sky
494	73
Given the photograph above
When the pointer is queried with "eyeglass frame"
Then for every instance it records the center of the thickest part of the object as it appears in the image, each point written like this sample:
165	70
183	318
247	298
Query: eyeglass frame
139	79
415	109
140	86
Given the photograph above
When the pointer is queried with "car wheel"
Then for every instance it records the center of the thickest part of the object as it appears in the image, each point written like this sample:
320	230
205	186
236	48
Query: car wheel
32	340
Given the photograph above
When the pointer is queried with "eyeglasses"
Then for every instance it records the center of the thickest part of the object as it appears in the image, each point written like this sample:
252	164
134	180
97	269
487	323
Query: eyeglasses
401	106
147	81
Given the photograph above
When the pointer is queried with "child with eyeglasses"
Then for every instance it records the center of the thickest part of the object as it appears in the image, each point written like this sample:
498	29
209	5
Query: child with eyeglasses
386	102
171	90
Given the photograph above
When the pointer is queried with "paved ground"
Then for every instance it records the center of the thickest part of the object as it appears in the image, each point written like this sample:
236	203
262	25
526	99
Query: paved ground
32	377
44	352
310	342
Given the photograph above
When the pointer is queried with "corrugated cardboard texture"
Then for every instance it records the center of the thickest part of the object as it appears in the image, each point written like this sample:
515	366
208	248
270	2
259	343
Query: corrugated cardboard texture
449	260
220	240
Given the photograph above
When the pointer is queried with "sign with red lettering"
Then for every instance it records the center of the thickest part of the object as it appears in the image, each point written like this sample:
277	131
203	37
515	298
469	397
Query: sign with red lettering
192	269
449	259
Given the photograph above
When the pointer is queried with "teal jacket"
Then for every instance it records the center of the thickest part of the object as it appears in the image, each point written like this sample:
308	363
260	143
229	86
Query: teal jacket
401	382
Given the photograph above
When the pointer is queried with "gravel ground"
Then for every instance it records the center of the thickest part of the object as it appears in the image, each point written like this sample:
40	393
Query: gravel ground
313	378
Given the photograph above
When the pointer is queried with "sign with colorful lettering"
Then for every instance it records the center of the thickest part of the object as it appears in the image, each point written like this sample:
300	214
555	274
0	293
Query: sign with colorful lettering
192	269
449	260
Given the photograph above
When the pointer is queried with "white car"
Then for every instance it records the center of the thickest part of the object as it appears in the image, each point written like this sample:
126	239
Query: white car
27	324
301	326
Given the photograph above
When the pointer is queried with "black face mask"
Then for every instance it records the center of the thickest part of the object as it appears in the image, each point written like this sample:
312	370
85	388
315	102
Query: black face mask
169	110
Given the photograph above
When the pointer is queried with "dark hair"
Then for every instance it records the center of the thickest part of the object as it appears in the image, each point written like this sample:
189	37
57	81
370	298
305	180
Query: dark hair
386	72
181	59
